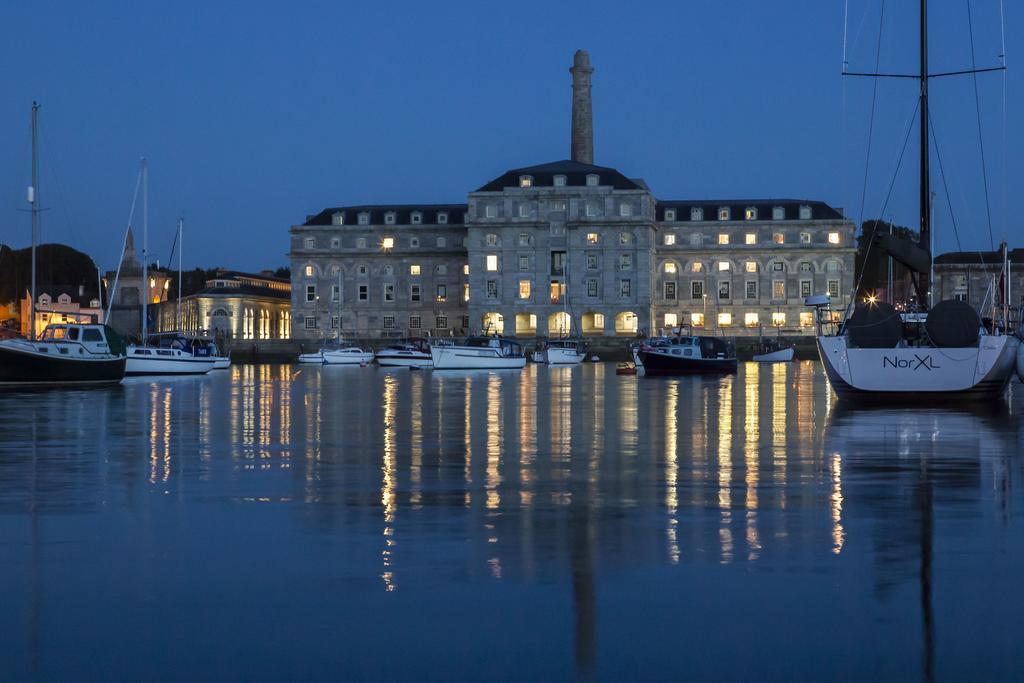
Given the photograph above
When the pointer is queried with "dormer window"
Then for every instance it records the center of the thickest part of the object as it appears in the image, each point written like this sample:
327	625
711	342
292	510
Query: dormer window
364	218
442	217
44	299
389	218
778	213
805	213
416	218
750	213
94	303
559	181
723	213
63	299
338	218
592	180
526	181
670	214
696	214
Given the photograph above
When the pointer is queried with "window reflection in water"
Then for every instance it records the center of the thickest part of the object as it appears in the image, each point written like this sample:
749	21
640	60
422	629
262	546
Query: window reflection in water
388	477
751	453
672	469
725	468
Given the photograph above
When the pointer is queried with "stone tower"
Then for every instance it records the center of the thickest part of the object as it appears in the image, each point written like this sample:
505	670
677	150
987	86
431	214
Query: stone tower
582	110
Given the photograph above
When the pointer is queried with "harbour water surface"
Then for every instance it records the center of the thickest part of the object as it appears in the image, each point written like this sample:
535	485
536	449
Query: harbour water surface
287	523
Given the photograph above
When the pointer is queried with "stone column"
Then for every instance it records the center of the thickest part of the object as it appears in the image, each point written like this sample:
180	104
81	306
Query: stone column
582	111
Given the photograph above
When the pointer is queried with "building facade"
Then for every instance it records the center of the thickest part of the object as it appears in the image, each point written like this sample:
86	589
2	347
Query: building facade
977	278
568	247
233	307
56	305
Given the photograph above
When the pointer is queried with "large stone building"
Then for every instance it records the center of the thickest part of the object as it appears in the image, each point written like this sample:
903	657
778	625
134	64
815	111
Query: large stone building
568	247
977	278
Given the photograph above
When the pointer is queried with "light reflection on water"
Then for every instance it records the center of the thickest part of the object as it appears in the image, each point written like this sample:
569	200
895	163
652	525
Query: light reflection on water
553	522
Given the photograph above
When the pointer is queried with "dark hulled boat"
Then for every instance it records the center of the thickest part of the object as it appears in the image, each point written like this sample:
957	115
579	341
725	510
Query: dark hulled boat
686	356
65	354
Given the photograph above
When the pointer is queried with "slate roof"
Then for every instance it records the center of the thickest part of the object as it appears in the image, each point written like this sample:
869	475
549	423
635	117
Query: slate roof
575	175
977	258
819	210
403	213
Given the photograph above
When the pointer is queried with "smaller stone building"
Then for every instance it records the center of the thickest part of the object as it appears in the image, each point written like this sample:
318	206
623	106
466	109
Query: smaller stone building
126	308
60	304
975	277
233	307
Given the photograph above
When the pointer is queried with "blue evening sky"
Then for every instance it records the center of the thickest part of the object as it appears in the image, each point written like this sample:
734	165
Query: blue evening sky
254	115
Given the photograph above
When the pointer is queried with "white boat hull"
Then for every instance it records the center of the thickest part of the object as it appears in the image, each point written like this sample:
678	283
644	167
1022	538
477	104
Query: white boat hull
1020	362
780	356
347	357
403	360
221	362
916	373
473	358
560	356
165	362
317	358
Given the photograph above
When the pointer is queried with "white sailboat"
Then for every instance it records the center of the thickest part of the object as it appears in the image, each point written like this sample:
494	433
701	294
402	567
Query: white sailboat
945	353
563	350
478	353
145	358
337	351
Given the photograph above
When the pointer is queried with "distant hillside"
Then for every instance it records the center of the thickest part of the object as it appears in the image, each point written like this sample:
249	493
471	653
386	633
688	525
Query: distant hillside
56	264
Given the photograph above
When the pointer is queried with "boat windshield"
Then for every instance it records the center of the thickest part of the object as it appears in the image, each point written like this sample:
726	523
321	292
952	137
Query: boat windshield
55	332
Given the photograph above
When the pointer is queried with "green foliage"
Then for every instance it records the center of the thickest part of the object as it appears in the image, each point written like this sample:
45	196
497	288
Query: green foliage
874	262
56	264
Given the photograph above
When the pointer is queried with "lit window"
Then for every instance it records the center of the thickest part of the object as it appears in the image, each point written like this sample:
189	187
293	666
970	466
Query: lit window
491	240
670	239
697	267
670	267
806	319
525	181
778	289
309	271
671	320
389	218
591	238
805	238
751	238
670	214
778	213
833	238
723	238
465	292
724	319
723	266
805	213
442	293
750	213
625	210
723	213
592	180
697	319
559	181
750	319
696	214
750	266
779	238
778	319
465	269
414	270
524	289
492	262
625	238
599	321
387	243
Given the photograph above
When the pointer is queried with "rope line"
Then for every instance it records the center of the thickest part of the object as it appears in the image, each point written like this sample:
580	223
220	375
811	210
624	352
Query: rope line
981	139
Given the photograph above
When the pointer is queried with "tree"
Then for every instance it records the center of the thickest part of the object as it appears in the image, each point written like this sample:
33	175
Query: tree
56	265
872	262
283	272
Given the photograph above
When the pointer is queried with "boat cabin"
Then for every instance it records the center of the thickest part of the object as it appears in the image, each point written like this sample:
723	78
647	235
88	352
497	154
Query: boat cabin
692	347
81	339
505	347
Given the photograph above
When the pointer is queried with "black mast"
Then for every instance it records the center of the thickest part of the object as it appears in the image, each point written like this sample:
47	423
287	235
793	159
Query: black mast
926	228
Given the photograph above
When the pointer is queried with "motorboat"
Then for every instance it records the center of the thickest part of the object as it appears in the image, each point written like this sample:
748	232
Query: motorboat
774	351
338	352
687	355
562	352
64	355
165	360
198	346
946	353
478	353
407	353
634	348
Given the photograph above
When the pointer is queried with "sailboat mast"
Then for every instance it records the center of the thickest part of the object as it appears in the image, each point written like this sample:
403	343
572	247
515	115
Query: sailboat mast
925	198
145	244
33	200
181	221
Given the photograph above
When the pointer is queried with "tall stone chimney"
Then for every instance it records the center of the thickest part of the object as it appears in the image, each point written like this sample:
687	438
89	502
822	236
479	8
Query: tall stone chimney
582	110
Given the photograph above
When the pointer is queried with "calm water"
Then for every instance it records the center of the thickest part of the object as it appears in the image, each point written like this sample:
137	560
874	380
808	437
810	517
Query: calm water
277	522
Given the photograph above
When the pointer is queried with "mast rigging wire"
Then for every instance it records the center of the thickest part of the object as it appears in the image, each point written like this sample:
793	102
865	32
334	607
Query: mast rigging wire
942	174
981	139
